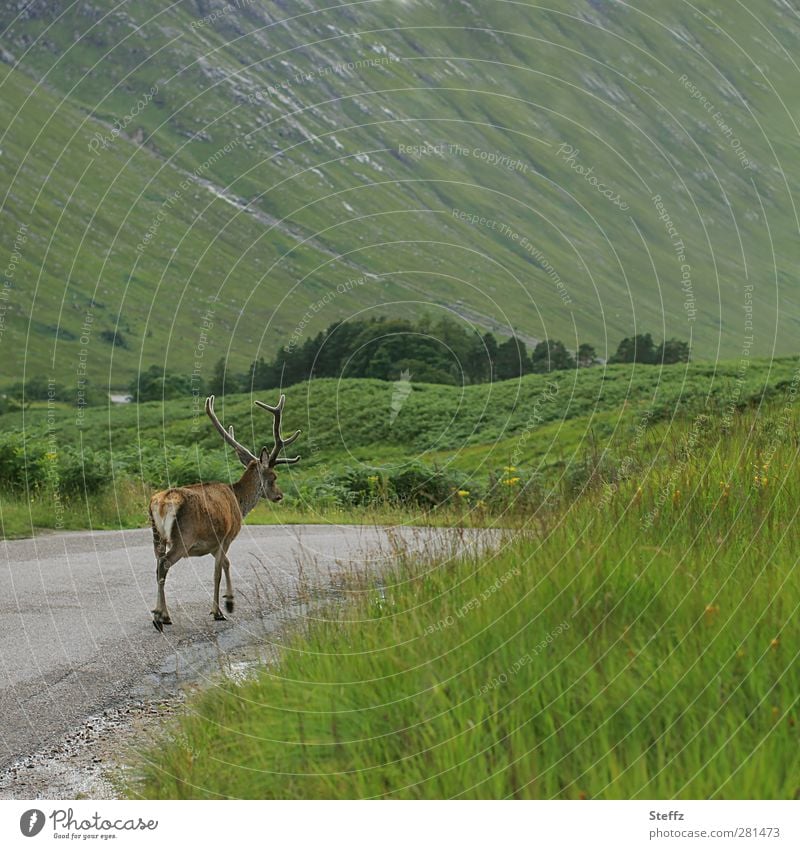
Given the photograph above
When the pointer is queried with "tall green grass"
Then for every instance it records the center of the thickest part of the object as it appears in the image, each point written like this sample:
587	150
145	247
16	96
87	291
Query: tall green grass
640	641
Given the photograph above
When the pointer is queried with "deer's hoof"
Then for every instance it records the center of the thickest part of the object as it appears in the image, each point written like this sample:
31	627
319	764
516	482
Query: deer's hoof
218	615
160	619
158	624
229	603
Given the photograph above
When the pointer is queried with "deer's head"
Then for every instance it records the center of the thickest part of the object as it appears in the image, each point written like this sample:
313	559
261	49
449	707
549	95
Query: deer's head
268	480
268	459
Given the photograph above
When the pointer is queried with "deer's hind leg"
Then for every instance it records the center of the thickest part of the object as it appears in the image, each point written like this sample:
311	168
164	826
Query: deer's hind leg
159	543
161	615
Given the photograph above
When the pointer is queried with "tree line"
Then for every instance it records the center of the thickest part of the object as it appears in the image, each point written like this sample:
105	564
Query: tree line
430	351
441	351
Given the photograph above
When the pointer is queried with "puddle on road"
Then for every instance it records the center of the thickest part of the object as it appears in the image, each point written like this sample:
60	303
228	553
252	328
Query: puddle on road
234	653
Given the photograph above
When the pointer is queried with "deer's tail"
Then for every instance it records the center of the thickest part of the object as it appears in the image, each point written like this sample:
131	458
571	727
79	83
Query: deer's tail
165	509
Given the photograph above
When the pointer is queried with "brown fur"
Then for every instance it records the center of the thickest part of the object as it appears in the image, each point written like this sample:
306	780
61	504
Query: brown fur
205	518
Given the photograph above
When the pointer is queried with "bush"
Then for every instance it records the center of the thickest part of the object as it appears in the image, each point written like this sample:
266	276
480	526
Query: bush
421	485
85	474
20	465
360	487
192	465
36	464
320	494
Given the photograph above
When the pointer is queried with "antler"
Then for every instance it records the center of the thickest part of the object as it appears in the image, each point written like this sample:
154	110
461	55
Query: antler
245	455
280	442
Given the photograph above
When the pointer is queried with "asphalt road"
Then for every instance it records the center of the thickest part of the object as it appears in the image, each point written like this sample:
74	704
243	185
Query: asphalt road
75	625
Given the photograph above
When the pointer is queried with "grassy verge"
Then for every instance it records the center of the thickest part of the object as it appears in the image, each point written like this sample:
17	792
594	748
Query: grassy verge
124	506
639	642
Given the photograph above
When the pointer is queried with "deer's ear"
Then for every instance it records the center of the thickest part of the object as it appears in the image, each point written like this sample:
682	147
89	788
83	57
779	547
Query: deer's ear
245	458
263	457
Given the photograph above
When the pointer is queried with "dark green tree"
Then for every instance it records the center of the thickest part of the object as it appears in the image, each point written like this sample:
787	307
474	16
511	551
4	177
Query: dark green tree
672	351
551	355
224	381
335	347
512	359
261	375
477	360
157	383
587	356
635	349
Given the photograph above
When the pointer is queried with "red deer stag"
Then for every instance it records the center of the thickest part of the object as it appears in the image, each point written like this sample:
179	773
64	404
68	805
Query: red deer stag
205	518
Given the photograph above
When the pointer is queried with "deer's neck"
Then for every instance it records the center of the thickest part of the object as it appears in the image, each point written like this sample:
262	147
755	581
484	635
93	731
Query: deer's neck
247	489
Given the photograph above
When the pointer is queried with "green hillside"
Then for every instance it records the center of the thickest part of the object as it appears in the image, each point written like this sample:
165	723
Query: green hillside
361	448
353	419
413	154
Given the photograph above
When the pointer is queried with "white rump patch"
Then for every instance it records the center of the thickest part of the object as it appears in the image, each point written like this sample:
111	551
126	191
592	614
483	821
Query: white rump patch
164	519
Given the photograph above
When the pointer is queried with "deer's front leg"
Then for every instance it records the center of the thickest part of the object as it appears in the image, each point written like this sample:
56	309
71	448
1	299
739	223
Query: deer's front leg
226	565
218	558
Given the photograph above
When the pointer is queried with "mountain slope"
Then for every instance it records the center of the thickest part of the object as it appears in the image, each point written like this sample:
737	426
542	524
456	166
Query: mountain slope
579	172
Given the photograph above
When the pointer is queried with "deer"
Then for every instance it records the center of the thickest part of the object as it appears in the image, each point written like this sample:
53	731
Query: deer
205	518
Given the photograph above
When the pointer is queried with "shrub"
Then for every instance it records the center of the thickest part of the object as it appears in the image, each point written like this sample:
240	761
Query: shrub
320	494
361	487
421	485
36	464
13	463
85	474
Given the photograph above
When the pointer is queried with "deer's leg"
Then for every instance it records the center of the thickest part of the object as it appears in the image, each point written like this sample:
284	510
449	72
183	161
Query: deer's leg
218	558
161	615
159	543
226	565
160	550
